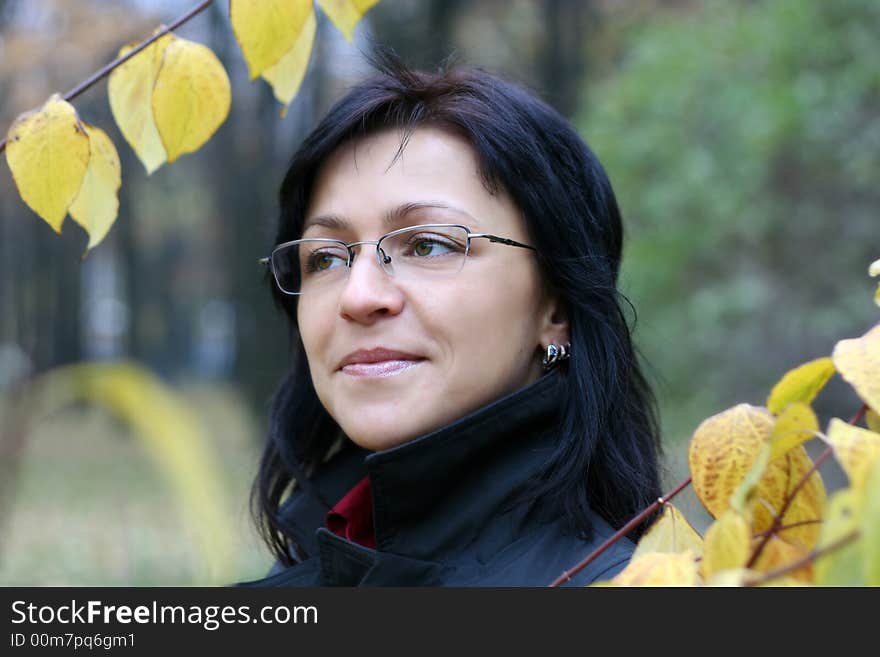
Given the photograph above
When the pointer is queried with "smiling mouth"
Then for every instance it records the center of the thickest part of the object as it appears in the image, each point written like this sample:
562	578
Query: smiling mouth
380	368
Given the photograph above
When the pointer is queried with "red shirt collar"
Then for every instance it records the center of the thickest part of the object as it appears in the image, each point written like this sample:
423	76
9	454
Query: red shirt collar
352	517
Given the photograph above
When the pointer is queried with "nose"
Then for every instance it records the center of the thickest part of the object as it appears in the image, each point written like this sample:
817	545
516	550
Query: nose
369	293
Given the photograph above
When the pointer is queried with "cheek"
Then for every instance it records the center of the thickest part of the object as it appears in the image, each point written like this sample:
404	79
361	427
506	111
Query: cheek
490	321
314	330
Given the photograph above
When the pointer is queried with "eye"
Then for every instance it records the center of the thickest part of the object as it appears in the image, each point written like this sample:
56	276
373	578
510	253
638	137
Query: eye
320	261
425	247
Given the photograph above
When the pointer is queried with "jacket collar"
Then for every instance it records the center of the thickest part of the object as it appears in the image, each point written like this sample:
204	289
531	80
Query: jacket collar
435	494
439	492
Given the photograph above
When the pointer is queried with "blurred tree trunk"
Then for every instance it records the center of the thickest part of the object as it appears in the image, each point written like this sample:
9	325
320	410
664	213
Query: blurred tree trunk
569	25
441	25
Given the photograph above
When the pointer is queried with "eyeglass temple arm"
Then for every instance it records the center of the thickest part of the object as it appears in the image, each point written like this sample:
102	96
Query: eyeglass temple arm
503	240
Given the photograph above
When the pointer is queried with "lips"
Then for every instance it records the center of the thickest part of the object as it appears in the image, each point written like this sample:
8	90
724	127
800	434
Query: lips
380	361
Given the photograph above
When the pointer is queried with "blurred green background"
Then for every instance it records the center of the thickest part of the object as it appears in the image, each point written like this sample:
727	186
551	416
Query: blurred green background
742	139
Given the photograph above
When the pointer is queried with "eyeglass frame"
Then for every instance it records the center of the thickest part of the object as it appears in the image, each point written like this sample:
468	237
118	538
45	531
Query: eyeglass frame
349	246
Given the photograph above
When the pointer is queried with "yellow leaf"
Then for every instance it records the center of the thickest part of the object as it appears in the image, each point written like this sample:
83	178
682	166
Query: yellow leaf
97	204
858	361
808	506
130	90
800	384
659	569
191	98
733	577
726	544
856	450
729	459
870	525
796	425
48	153
843	566
745	492
346	14
722	450
266	30
747	577
872	420
671	532
777	554
287	74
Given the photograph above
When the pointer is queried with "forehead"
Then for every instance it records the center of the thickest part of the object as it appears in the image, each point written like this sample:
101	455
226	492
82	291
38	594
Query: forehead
365	181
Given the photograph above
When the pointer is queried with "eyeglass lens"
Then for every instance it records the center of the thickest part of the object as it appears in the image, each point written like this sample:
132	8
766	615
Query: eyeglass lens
420	252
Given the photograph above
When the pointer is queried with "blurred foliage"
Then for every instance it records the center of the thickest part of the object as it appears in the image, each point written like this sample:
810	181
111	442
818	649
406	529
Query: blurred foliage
102	497
743	141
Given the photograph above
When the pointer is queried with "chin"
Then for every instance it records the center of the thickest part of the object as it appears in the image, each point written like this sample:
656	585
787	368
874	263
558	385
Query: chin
376	440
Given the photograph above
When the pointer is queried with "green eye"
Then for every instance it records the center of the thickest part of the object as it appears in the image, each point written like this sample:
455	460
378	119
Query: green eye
321	261
424	248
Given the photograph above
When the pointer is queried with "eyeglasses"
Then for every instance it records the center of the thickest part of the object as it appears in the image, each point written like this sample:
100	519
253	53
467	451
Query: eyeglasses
422	252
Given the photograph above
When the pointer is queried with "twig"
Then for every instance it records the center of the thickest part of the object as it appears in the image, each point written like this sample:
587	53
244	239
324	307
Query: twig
620	533
104	72
789	526
803	561
777	521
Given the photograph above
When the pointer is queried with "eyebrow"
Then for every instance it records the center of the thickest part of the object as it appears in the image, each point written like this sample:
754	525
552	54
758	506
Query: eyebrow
391	218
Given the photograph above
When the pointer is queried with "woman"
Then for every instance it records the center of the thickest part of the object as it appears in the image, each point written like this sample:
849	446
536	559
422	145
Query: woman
465	407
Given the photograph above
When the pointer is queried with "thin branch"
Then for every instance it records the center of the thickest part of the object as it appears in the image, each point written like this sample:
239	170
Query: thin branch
777	521
803	561
792	525
620	533
104	72
858	416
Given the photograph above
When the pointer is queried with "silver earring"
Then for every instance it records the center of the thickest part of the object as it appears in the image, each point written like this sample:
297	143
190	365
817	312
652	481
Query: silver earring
556	353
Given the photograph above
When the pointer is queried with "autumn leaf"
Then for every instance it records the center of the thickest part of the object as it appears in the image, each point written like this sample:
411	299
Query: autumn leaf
843	566
795	425
48	153
730	464
723	449
726	544
346	14
856	449
858	361
801	384
778	553
807	507
733	577
266	30
659	569
870	525
130	91
97	203
287	74
191	97
872	419
671	532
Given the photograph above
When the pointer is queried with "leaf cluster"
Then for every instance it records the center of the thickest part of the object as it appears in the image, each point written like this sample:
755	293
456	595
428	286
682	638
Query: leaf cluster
168	96
774	522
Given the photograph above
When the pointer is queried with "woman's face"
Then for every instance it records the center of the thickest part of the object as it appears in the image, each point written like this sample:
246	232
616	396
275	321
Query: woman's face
460	341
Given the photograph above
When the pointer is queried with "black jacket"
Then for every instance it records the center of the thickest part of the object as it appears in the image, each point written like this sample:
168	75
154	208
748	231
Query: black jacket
441	512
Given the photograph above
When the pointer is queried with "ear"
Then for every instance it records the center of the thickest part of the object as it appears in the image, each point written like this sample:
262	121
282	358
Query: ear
553	323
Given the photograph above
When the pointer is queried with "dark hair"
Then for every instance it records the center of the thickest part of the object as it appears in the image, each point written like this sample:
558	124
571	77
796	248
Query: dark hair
607	455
